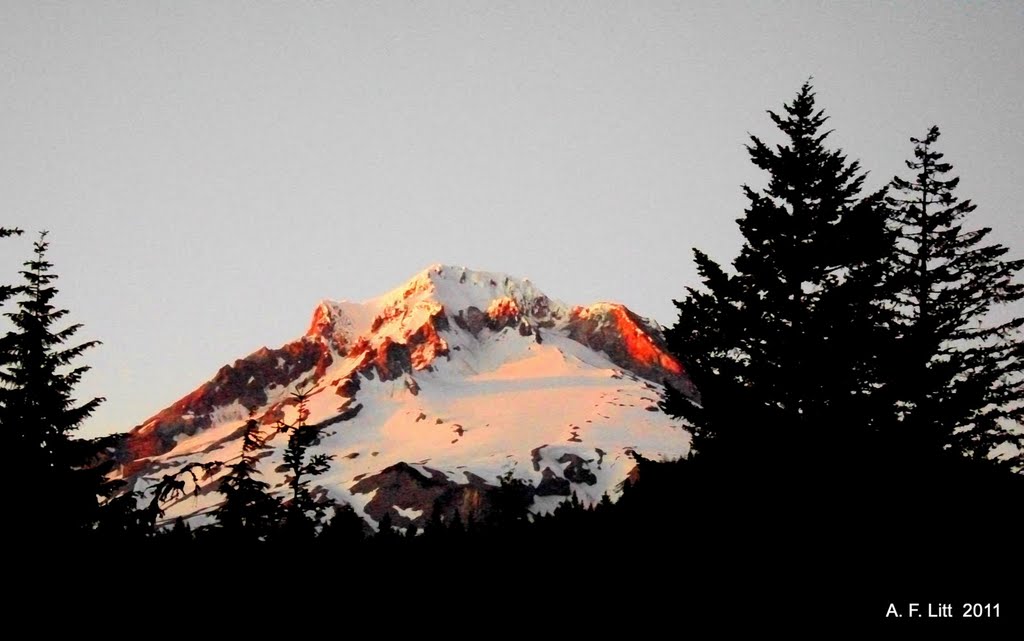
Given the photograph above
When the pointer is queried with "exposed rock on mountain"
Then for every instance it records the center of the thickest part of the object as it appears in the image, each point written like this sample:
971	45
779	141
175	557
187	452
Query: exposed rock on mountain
429	393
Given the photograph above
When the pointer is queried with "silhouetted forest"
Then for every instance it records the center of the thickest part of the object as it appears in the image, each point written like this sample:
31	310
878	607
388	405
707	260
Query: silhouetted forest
859	418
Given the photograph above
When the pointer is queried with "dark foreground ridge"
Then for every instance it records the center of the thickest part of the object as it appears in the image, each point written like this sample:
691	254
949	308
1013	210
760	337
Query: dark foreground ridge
785	556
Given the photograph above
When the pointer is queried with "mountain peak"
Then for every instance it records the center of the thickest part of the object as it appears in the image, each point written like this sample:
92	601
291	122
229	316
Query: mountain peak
455	373
462	284
453	289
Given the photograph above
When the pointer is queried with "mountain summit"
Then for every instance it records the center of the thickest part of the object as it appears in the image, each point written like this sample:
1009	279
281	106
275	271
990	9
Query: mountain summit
429	393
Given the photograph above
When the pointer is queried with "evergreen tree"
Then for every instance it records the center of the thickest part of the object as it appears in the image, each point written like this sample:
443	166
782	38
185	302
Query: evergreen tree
181	533
510	504
303	513
456	528
386	535
786	352
961	373
435	527
39	413
249	512
345	528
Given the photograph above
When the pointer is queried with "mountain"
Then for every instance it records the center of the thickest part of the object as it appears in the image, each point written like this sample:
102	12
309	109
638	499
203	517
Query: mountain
429	393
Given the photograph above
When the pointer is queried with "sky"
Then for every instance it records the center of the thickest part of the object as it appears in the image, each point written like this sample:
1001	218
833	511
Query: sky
209	171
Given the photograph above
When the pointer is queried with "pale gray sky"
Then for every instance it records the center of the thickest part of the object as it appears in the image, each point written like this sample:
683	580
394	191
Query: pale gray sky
210	170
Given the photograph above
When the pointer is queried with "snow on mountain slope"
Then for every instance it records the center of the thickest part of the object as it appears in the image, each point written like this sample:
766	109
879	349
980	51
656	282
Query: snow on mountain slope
430	392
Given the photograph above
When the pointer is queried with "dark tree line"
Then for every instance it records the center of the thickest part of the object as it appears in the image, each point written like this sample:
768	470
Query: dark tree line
852	357
850	315
854	372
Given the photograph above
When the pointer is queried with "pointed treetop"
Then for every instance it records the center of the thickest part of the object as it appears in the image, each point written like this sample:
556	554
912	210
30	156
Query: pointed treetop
802	120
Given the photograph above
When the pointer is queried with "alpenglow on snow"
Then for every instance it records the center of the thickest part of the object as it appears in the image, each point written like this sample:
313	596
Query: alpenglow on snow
429	393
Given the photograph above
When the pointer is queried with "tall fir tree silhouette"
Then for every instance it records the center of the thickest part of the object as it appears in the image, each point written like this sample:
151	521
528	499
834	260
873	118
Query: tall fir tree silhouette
39	413
785	351
303	512
249	513
960	372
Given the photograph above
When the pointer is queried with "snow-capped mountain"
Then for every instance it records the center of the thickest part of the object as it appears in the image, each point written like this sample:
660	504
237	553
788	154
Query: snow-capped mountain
427	394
